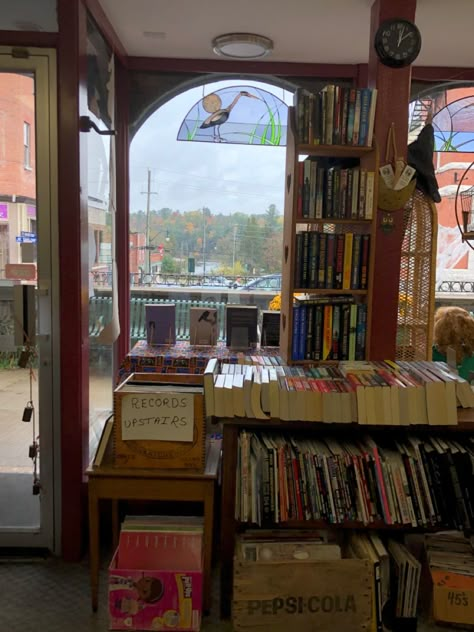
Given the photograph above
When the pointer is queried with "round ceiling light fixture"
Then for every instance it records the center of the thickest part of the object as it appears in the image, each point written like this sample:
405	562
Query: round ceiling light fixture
242	46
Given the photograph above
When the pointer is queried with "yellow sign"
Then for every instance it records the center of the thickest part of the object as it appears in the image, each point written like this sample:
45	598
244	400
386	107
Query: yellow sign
453	597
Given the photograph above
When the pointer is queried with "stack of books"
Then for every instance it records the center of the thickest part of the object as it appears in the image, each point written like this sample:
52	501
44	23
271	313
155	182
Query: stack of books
368	393
336	115
156	574
406	573
331	261
329	328
328	191
188	359
161	543
370	546
451	552
450	557
265	545
403	480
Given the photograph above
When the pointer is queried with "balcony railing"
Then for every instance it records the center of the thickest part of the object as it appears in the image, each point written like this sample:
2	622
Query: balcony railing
455	287
150	280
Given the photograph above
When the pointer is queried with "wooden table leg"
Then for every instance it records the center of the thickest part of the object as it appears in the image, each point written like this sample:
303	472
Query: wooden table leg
94	546
115	525
208	539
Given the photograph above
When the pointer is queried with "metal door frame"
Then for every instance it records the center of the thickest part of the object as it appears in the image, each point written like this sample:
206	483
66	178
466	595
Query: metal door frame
42	63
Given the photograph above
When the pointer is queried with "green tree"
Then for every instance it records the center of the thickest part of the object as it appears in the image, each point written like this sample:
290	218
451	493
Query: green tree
169	265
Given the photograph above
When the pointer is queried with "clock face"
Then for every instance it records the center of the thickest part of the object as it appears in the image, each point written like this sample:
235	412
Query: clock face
397	43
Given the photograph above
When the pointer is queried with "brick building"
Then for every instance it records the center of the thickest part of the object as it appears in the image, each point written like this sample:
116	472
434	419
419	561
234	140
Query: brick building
17	172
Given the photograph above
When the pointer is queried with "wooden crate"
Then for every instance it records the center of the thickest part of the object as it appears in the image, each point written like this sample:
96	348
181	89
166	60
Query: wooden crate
302	595
149	453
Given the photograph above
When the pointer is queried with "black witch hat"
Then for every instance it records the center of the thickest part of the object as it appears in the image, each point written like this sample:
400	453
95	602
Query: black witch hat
420	156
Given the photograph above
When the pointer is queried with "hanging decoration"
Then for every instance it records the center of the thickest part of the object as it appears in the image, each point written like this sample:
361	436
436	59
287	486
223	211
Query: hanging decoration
396	184
244	115
464	207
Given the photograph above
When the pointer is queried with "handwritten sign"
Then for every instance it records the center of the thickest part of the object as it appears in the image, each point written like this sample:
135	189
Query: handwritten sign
453	597
161	416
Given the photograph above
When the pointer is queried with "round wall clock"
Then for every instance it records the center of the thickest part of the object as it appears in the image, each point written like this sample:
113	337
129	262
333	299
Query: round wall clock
397	42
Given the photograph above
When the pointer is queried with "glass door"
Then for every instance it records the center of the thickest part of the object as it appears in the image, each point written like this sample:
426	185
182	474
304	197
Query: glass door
29	380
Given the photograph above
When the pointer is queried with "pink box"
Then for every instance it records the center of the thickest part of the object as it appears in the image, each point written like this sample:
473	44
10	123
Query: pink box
154	599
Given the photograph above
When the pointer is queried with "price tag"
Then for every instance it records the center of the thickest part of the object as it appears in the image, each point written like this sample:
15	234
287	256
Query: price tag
453	597
459	598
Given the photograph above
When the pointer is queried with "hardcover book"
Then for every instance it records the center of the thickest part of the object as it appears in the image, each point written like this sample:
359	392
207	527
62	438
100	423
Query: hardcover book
270	336
160	324
241	325
203	326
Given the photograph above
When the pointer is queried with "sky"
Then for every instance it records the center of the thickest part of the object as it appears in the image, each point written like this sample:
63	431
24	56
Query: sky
191	175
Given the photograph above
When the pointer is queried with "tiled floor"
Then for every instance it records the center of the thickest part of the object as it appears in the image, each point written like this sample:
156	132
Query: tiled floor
53	596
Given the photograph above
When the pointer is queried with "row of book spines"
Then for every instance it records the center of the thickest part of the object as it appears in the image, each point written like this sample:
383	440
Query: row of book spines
336	116
334	193
419	486
331	261
331	331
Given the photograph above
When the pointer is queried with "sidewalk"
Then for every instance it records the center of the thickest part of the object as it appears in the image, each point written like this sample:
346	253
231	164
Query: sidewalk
17	435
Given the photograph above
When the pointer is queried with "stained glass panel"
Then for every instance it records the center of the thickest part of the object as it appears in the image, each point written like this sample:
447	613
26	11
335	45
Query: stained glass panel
243	115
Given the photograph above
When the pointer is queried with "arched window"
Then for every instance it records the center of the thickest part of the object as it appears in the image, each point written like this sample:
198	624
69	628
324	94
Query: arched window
453	123
206	218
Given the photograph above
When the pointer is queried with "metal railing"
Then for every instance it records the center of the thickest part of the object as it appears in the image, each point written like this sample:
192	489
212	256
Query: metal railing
453	287
139	279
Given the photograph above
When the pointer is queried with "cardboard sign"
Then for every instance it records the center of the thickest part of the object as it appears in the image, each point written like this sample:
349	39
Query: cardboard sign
20	271
453	597
163	416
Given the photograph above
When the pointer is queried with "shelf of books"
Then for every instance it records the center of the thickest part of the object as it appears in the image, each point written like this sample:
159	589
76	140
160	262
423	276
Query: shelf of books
329	226
361	445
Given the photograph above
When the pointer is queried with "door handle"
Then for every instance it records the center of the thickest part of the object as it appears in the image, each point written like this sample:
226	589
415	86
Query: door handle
86	124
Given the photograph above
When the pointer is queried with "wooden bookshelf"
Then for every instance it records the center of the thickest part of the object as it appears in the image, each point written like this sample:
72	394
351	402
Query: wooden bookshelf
332	151
230	527
366	158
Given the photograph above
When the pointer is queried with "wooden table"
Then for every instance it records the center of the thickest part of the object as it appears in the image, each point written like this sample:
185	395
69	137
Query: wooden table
109	482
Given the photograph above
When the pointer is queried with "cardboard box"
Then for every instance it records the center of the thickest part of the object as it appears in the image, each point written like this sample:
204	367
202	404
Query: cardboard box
138	409
154	599
453	597
303	595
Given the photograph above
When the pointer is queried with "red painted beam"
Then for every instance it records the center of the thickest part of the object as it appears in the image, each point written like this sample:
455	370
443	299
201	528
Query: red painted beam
439	75
29	38
162	64
105	27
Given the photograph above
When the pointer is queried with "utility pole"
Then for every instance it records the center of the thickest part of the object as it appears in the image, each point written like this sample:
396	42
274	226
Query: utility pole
233	249
148	194
204	245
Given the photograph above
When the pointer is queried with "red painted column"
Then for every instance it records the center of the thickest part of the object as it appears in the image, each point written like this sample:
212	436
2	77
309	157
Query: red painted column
73	263
393	87
122	235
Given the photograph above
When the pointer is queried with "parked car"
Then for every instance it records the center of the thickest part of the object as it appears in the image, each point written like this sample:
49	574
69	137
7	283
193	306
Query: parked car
269	282
215	281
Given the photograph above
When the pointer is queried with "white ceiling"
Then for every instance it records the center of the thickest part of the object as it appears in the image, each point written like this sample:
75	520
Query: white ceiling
315	31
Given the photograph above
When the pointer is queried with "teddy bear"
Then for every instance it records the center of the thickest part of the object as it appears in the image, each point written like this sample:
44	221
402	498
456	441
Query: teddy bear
454	327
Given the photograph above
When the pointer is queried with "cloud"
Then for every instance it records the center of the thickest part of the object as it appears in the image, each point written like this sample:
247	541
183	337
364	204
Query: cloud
190	175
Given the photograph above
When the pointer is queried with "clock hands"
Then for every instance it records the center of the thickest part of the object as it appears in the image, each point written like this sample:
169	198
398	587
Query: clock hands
401	36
